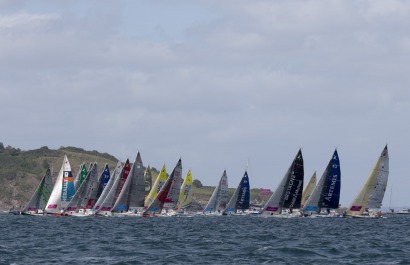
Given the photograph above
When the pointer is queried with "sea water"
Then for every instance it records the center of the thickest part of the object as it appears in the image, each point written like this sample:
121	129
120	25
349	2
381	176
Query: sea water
203	240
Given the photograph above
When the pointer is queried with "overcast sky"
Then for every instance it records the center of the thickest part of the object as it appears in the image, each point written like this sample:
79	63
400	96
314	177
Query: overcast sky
221	84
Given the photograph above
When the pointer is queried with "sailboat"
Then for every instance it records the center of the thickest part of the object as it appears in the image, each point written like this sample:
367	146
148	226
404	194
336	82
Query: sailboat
308	189
219	198
369	199
326	194
185	195
113	194
288	194
240	199
63	190
169	193
159	182
105	191
85	197
131	198
37	203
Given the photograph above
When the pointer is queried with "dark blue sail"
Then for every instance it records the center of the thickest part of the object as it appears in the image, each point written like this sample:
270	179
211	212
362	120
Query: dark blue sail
242	201
104	178
331	188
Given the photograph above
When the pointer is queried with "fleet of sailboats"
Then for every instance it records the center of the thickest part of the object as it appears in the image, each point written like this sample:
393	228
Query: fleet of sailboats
128	191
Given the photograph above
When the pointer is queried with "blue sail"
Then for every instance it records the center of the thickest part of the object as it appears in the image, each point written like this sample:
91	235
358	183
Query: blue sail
331	188
105	177
242	201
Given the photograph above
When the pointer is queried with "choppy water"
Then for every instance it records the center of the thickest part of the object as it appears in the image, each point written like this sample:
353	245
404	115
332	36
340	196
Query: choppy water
203	240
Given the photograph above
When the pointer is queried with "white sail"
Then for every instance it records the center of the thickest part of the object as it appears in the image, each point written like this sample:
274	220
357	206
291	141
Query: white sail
115	174
219	197
231	206
40	196
132	194
372	192
312	203
54	204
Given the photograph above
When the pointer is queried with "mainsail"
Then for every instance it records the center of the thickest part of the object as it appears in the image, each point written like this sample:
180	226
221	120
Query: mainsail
55	204
90	196
219	197
185	196
40	196
327	192
159	182
372	193
241	196
82	173
103	180
115	190
289	192
169	192
133	193
308	190
115	174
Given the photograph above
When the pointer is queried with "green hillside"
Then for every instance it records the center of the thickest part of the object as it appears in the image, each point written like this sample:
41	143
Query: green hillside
21	171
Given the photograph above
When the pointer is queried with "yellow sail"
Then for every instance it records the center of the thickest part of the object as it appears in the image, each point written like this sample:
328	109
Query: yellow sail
308	190
185	196
374	185
159	182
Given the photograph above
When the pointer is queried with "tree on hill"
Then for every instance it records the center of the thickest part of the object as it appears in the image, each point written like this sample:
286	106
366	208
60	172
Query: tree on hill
197	183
